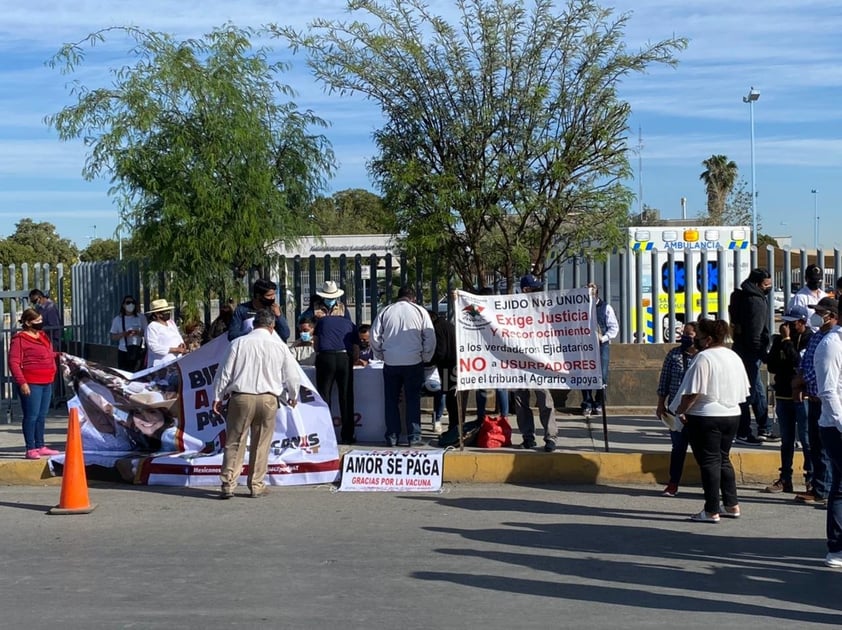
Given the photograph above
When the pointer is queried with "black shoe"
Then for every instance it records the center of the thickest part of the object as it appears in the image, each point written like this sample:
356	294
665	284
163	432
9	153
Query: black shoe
391	442
528	442
348	441
749	440
768	436
549	446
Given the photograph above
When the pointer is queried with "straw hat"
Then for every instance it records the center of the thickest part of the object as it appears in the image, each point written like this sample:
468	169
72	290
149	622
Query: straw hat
157	306
330	290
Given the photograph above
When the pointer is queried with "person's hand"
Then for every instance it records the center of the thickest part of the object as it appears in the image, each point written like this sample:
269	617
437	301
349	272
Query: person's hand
217	407
292	402
276	309
24	389
784	329
360	362
661	411
682	418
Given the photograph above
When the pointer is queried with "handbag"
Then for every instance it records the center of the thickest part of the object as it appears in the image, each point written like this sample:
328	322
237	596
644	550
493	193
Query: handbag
495	432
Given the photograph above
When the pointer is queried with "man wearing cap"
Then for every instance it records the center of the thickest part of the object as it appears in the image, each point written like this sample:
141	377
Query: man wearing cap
163	340
783	361
607	329
811	292
543	397
403	337
263	296
825	316
828	365
258	370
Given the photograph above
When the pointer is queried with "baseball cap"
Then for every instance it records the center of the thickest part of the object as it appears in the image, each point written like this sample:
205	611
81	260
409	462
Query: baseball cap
826	304
530	282
795	313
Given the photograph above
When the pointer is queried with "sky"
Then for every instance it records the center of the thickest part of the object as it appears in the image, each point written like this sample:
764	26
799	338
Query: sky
789	51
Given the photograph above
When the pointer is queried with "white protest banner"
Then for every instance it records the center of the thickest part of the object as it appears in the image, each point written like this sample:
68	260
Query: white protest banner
389	470
544	339
157	426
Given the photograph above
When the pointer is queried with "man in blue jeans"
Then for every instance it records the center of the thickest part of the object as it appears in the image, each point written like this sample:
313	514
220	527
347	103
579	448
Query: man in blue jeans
403	337
828	365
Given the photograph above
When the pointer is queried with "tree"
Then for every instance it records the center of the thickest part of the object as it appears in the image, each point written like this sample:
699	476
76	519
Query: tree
504	141
210	169
719	177
100	249
352	211
37	243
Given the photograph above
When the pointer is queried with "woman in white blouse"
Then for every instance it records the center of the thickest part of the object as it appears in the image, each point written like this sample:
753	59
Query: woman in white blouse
163	340
128	329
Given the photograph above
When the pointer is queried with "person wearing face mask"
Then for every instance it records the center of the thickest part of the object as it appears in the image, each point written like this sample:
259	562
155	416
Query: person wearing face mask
809	294
337	346
32	363
675	365
302	348
708	404
366	354
784	359
163	340
749	314
806	387
49	311
263	296
128	329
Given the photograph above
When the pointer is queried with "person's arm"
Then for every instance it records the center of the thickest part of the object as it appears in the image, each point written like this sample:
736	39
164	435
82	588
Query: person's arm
235	329
612	326
376	336
281	325
16	364
117	331
223	377
291	376
687	402
829	357
428	337
663	385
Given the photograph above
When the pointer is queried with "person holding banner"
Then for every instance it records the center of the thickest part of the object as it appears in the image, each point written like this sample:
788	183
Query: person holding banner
708	404
258	370
402	336
543	397
607	329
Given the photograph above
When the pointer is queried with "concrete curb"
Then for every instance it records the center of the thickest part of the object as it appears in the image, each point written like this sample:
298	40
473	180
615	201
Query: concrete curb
523	467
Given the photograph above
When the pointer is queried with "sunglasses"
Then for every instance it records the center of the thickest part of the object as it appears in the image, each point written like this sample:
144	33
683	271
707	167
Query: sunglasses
129	302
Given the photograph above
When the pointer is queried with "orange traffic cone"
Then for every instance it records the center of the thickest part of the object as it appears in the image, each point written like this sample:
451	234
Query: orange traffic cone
74	484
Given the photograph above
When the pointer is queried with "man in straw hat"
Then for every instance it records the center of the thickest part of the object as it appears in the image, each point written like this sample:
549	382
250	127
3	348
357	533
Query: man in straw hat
263	296
257	372
163	340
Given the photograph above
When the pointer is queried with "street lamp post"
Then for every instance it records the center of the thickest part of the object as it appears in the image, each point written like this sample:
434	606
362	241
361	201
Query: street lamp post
815	218
752	96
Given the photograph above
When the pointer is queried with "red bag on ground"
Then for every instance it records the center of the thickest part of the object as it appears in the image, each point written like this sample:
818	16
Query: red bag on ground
494	433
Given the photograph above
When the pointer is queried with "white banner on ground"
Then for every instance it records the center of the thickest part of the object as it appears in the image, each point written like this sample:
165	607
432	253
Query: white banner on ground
392	471
545	339
157	427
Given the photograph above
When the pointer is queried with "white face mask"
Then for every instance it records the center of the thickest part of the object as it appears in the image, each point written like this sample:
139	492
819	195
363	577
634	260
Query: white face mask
816	320
129	308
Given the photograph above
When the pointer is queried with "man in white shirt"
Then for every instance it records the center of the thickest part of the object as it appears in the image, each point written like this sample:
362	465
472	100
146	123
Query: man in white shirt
811	292
607	329
828	366
257	371
402	336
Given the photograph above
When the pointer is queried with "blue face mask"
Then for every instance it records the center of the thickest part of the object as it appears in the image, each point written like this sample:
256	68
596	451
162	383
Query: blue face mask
306	336
330	303
686	342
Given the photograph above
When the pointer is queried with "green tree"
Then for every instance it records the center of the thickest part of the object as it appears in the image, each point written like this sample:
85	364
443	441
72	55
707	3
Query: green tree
210	167
101	249
719	176
37	243
352	211
504	139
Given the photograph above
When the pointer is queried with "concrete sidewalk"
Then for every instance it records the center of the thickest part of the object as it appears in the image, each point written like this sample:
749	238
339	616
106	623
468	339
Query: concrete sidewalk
639	447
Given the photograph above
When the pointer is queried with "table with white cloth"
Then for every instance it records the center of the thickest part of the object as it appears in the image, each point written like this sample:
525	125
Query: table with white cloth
369	416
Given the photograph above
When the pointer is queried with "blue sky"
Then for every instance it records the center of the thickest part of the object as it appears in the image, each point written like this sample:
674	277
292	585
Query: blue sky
789	51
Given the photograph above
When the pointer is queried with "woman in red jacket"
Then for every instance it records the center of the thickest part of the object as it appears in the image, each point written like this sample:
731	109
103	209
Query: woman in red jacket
32	363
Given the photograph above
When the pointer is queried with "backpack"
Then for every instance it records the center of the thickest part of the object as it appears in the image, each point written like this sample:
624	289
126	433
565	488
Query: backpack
495	432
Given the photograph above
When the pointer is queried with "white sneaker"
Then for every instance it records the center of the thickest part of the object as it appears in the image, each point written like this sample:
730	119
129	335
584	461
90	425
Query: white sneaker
834	559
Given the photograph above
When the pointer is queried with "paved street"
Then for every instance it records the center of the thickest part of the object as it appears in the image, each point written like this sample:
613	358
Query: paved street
484	556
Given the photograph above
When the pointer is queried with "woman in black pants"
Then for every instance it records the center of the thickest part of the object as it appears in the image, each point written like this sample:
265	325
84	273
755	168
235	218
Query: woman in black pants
336	343
708	403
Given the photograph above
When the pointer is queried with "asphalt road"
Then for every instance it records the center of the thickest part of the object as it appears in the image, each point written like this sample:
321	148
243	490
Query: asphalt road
475	556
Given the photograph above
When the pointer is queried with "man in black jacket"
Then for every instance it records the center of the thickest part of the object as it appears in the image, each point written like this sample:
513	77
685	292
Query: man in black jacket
784	359
444	358
749	311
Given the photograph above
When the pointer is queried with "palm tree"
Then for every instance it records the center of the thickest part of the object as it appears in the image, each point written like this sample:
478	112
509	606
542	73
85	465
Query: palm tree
719	177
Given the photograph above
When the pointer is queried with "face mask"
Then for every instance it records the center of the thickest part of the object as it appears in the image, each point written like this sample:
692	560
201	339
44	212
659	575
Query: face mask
37	326
686	342
699	343
129	308
165	317
267	301
767	290
330	303
816	320
364	345
813	284
306	336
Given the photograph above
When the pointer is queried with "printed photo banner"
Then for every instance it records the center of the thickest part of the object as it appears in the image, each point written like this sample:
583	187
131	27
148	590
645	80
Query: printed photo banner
392	471
546	340
157	426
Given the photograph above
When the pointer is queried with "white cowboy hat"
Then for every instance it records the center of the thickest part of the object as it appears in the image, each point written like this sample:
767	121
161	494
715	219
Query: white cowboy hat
330	290
156	306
